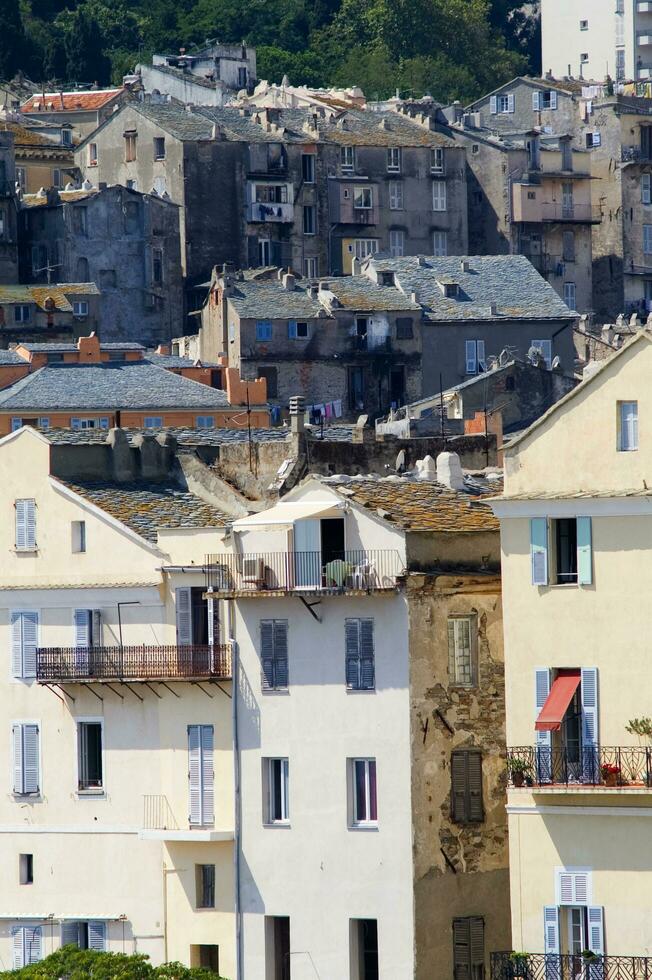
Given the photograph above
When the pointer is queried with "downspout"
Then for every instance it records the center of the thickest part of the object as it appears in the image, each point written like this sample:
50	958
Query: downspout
235	667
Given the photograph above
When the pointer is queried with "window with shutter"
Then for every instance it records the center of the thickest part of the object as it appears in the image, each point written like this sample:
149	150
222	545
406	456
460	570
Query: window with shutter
27	945
462	665
539	550
25	739
25	525
466	786
360	657
627	427
70	934
468	948
646	189
183	603
274	654
24	642
97	935
573	886
201	775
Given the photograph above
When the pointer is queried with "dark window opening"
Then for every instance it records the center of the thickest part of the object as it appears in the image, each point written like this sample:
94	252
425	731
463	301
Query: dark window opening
332	540
364	941
205	881
356	389
90	755
277	947
566	549
271	376
26	869
206	956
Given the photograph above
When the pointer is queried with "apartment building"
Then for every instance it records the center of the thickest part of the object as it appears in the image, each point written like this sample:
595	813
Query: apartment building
78	112
125	241
59	309
117	812
575	531
364	686
43	152
203	76
308	190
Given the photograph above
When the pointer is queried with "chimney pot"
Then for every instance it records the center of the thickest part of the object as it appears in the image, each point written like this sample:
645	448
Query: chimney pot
449	471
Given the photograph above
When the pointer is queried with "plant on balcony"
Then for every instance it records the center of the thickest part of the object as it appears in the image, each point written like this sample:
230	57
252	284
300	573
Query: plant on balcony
588	954
610	774
642	727
520	771
519	964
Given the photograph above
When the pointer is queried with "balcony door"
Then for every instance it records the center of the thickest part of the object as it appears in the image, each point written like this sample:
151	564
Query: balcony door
307	554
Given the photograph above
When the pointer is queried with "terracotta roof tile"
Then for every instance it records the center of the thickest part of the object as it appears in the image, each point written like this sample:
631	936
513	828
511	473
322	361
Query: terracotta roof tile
69	101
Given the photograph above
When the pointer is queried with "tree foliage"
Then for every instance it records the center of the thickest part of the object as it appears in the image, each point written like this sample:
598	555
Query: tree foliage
449	48
71	963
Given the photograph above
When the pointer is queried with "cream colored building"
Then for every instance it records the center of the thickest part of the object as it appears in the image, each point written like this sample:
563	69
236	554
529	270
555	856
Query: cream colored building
576	528
117	815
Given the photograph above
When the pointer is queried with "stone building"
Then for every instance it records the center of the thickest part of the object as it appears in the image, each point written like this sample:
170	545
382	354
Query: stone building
78	112
125	241
56	311
207	76
8	211
42	158
291	187
524	104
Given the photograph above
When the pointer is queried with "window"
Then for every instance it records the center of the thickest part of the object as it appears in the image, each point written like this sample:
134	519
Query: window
347	159
203	954
544	100
276	805
157	266
468	948
86	935
271	193
571	540
277	947
21	177
570	295
56	178
466	786
397	243
26	869
200	774
25	740
80	308
584	25
363	809
297	330
620	64
646	194
263	330
395	195
363	197
159	147
565	545
89	742
404	328
437	160
308	168
545	349
80	222
462	645
25	525
66	137
205	885
82	423
130	147
310	268
584	59
270	374
27	942
160	186
363	247
153	421
360	657
647	239
22	313
363	939
475	358
24	641
568	246
475	149
92	154
78	534
501	104
440	243
438	195
394	160
309	219
627	426
274	654
205	422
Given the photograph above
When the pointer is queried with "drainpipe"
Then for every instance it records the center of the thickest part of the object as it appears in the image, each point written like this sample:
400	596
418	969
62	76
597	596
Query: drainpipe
235	666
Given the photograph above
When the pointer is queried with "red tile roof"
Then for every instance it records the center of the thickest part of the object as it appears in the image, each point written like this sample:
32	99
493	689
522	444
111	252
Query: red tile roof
69	101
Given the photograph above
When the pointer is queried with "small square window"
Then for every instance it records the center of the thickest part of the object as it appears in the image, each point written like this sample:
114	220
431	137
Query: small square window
584	25
584	58
363	797
78	529
92	154
205	886
627	426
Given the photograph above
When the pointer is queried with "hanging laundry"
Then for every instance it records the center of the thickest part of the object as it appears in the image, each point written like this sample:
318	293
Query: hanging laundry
337	407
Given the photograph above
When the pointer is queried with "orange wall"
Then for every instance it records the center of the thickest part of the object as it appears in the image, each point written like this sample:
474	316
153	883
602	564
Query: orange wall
224	418
12	372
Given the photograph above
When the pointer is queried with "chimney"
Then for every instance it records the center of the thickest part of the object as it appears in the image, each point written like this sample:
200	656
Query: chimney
465	265
289	282
449	471
163	349
297	413
89	349
493	309
356	267
421	260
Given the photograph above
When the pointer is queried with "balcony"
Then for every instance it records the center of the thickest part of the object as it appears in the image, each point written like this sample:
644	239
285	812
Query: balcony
91	665
644	39
577	213
277	213
563	966
304	572
607	767
160	823
370	344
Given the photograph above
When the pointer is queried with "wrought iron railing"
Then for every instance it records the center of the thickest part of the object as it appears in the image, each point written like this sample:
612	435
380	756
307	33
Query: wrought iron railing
305	571
597	766
561	966
157	813
124	663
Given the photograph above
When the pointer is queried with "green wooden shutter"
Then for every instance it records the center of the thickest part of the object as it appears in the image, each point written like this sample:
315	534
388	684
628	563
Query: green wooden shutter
584	551
461	949
476	932
458	787
474	776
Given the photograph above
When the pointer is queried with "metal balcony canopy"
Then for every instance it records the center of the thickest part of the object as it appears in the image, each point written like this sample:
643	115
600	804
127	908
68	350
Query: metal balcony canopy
556	704
285	514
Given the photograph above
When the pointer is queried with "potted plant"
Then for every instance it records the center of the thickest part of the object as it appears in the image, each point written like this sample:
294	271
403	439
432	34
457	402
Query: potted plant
519	964
588	955
520	771
610	774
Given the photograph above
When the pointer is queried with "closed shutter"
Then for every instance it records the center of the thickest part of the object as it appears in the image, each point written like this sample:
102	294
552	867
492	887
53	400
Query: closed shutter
476	930
96	632
280	653
97	935
207	775
590	724
479	346
184	616
29	622
646	189
82	622
18	947
30	759
16	644
493	105
25	524
539	550
194	772
461	949
213	622
267	653
17	752
474	769
70	934
201	776
553	100
543	739
367	666
352	652
535	101
458	787
573	887
292	329
510	103
551	929
584	551
596	929
33	944
471	362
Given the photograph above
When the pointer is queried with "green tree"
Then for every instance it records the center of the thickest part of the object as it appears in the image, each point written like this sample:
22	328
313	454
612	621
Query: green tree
12	39
84	44
81	964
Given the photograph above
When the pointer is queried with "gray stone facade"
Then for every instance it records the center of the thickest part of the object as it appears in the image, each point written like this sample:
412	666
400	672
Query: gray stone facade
8	211
526	103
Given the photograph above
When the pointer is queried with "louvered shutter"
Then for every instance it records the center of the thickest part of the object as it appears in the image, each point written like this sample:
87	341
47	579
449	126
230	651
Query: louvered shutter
461	949
536	101
70	934
458	787
539	550
17	752
18	947
280	653
352	644
81	619
194	772
292	329
97	935
493	105
581	887
553	100
30	759
471	362
213	622
482	364
474	771
476	930
21	524
510	103
33	943
551	929
207	775
30	508
184	616
267	653
590	724
29	622
646	188
543	739
566	888
584	551
596	929
367	665
17	644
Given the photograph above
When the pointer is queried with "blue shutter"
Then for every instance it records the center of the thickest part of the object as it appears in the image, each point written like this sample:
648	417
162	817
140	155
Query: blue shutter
543	739
292	329
584	551
97	935
267	654
590	724
207	775
539	550
29	642
280	653
367	657
553	100
535	101
493	105
352	652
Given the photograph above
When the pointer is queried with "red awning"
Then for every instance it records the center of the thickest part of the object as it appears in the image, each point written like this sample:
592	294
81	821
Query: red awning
561	694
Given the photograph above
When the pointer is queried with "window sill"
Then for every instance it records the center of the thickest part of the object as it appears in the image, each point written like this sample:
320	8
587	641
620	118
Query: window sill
277	825
372	825
25	551
361	690
281	692
91	794
28	797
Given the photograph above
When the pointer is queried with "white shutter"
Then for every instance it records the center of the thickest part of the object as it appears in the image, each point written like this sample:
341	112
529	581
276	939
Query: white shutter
96	632
535	101
25	524
31	523
471	362
82	628
584	551
646	190
596	929
30	759
553	100
18	947
16	644
97	935
543	740
539	550
33	938
201	777
207	775
29	642
70	934
551	929
573	887
589	687
510	103
184	616
210	612
17	743
493	105
194	773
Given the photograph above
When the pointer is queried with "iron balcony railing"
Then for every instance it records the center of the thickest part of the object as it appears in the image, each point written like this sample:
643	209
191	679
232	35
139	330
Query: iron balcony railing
304	571
601	766
132	663
158	814
562	966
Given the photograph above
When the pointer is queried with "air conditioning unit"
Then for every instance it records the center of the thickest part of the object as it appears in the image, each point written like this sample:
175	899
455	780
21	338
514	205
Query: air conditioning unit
252	570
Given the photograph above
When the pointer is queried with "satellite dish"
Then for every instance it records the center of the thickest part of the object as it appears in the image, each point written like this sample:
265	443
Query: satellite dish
556	363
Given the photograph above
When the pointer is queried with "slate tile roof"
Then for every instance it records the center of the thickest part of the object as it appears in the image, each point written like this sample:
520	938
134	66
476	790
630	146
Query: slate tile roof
361	293
32	136
145	506
365	128
175	361
509	281
109	386
68	348
10	357
266	300
200	437
423	505
70	101
38	294
65	197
